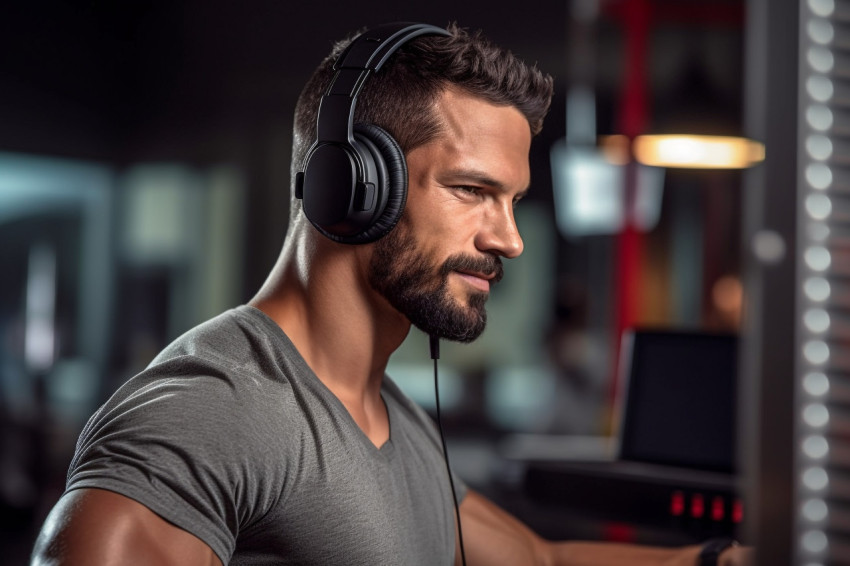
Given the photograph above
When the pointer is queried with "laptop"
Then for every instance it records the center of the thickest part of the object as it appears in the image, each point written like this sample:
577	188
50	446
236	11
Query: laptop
676	407
670	466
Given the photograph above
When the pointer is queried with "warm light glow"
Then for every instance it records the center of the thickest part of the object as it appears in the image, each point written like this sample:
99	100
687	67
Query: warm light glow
697	152
615	149
727	295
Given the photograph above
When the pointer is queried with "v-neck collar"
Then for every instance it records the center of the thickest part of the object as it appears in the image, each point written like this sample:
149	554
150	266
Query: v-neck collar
385	449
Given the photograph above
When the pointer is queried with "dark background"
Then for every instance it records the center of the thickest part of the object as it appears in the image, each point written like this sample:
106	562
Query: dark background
206	82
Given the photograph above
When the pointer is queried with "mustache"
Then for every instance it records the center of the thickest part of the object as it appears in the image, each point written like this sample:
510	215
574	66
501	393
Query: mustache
487	264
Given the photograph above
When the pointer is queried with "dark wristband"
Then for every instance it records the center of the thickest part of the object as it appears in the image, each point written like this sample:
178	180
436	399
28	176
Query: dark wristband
712	549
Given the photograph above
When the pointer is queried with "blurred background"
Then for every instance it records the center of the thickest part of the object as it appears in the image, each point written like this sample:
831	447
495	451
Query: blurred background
144	186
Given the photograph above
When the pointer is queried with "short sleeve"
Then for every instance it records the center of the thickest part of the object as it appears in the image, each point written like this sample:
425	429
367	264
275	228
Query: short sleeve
180	439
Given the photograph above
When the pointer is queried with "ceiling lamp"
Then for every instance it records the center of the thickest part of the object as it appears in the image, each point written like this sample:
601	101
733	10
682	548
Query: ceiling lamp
685	151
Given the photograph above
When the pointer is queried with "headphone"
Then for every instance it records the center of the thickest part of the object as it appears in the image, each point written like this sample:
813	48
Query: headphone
354	180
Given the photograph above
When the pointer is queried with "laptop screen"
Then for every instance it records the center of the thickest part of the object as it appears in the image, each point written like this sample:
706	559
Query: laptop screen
680	399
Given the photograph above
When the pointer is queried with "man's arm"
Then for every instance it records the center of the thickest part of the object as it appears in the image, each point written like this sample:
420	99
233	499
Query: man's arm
491	536
94	526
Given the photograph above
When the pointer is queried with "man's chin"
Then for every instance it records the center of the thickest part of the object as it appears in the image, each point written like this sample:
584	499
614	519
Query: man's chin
461	337
456	326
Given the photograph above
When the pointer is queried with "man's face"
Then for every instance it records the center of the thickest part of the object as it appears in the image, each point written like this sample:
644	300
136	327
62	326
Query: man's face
437	265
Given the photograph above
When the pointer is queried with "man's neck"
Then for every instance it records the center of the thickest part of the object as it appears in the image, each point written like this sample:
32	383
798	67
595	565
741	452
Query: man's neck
343	329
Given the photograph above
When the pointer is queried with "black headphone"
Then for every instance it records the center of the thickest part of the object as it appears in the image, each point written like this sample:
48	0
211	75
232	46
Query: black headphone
354	178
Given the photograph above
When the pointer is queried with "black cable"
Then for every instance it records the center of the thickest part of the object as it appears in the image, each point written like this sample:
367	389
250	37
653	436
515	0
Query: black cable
435	355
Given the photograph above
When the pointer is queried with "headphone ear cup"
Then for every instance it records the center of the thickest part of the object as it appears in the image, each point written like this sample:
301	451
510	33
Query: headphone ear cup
393	188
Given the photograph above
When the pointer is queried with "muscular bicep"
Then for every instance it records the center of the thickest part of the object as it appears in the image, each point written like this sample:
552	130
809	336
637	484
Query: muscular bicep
94	526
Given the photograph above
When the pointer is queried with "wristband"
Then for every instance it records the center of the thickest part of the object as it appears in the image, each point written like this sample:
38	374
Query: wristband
712	549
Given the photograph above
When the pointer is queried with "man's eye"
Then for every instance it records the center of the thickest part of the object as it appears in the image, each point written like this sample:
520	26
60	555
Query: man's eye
467	188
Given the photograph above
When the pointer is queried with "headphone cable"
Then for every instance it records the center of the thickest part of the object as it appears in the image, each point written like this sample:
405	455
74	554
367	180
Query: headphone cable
435	355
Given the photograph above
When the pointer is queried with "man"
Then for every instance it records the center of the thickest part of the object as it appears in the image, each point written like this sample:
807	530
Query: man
271	435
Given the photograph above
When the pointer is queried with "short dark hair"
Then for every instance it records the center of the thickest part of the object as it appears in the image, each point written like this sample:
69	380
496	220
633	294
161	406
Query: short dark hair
400	97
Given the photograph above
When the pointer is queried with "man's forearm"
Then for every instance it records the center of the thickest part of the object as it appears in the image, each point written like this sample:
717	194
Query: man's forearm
603	554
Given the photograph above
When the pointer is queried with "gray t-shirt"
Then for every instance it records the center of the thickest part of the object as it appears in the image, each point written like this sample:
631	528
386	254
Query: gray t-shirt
229	435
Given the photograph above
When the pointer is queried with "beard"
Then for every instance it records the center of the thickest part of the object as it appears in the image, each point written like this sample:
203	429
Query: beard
419	289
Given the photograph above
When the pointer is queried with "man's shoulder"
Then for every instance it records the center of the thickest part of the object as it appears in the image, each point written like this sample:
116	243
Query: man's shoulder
238	331
242	340
234	361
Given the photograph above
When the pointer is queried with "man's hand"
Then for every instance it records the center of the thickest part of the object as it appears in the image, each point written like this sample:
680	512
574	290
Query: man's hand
737	556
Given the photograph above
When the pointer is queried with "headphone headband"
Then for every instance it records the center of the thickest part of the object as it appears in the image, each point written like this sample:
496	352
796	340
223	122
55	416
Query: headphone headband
366	53
372	48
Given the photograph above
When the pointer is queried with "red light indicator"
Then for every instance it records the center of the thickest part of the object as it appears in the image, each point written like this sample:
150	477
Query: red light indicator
737	511
677	504
619	532
697	506
718	508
